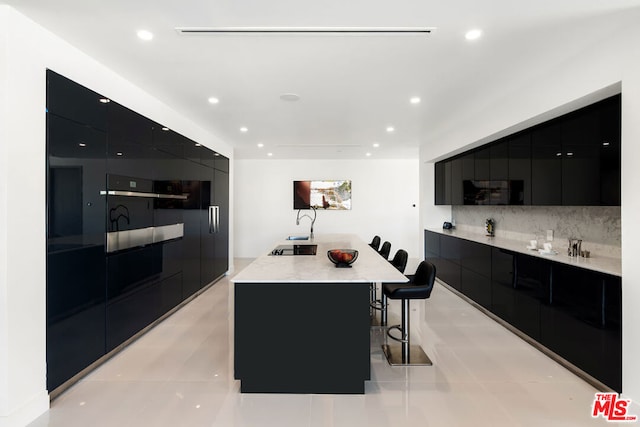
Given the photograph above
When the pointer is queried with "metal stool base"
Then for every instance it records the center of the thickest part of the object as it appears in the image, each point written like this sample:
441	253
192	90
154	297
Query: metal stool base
415	357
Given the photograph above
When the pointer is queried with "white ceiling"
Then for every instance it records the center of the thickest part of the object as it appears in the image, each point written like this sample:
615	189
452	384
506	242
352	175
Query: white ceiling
351	87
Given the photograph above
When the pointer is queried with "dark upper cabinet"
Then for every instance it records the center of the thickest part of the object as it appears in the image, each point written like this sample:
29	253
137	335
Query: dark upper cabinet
499	161
75	102
546	164
520	169
581	158
571	160
482	164
440	181
456	182
221	163
609	145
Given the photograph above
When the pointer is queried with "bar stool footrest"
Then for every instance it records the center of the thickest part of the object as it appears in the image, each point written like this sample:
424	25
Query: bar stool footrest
416	356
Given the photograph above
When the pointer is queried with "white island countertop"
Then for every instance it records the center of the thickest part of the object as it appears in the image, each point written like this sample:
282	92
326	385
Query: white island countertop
601	264
370	267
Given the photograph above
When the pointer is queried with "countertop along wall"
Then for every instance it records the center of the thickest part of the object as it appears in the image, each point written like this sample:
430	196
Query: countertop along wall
26	51
567	76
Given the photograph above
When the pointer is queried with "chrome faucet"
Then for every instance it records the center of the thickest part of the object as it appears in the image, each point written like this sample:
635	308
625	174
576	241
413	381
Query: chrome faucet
313	220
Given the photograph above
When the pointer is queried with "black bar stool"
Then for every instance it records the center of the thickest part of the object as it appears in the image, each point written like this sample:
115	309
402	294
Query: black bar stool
385	250
399	261
375	243
419	287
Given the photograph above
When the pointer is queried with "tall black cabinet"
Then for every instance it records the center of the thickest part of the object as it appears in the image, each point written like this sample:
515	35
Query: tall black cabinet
137	222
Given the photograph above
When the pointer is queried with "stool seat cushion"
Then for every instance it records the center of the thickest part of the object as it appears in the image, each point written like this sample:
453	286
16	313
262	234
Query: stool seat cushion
419	287
404	291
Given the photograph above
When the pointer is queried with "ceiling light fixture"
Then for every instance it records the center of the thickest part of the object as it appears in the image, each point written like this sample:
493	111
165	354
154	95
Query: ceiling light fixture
290	97
368	154
269	154
213	100
390	129
415	100
145	35
260	145
305	30
197	144
166	129
376	145
244	129
105	100
473	34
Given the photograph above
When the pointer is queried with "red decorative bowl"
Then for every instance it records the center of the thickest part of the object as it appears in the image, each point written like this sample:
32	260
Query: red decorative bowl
342	257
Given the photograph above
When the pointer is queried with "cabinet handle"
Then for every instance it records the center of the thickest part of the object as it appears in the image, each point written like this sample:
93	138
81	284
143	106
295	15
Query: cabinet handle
212	220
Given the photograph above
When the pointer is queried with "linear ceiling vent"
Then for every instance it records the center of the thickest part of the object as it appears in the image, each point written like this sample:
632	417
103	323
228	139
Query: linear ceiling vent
307	30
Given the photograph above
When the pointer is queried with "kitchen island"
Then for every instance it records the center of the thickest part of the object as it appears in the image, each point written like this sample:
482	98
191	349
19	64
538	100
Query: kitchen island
301	324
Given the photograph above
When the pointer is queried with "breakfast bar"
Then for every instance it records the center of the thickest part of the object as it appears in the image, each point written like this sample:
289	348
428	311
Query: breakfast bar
301	324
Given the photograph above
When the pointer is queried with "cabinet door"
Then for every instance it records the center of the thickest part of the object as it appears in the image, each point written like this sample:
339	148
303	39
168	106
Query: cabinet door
581	325
546	165
502	283
450	261
609	145
482	164
532	288
456	182
221	233
432	249
499	161
75	335
520	169
221	163
75	102
440	180
581	158
475	274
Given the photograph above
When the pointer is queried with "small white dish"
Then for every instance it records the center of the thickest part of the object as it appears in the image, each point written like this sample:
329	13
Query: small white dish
545	252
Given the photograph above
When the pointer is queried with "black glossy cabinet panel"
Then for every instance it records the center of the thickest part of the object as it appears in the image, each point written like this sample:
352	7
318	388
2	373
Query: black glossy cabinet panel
499	161
482	164
574	312
520	168
75	248
572	160
546	165
112	172
72	101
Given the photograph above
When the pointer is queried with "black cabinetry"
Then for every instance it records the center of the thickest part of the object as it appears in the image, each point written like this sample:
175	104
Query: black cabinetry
571	160
574	312
127	205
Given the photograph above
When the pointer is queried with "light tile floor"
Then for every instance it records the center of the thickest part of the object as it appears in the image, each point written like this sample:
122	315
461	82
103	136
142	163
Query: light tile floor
181	374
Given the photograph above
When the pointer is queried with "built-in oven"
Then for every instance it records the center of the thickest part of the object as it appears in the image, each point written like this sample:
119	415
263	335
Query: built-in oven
141	212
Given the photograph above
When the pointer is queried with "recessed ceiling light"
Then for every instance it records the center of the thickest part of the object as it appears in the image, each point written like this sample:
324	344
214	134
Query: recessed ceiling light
269	154
473	34
213	100
197	144
260	145
105	100
244	129
290	97
390	129
415	100
368	154
376	145
166	129
145	35
216	154
82	144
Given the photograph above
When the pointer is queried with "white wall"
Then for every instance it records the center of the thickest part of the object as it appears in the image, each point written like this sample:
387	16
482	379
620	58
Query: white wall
384	193
26	51
613	61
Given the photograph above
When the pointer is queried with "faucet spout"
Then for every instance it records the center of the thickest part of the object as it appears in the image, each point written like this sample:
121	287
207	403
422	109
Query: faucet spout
313	220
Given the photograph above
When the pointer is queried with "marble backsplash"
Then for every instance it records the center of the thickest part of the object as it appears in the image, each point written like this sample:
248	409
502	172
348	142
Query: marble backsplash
599	227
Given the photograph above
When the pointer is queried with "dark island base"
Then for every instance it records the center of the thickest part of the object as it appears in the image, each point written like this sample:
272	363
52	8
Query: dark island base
302	337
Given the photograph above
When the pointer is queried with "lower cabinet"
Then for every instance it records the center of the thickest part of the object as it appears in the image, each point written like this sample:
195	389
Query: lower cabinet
574	312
